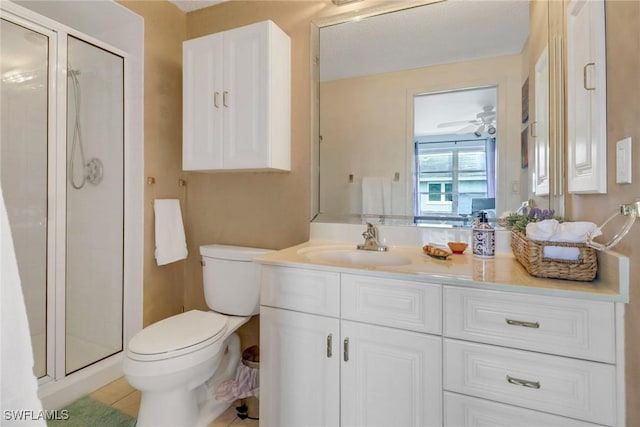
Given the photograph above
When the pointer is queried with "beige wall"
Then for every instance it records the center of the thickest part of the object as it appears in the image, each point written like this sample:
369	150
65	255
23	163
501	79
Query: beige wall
623	111
164	31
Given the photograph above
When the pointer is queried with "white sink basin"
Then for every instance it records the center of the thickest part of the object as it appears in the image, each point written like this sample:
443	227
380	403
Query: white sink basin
355	257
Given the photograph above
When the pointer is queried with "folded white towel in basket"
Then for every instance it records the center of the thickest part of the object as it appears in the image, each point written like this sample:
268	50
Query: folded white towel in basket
551	230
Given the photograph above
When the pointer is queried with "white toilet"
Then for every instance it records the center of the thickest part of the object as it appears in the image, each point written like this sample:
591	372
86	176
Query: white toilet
177	363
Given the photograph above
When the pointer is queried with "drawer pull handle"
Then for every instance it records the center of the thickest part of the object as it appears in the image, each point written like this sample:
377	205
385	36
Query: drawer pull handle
522	323
329	345
346	349
524	383
584	76
215	99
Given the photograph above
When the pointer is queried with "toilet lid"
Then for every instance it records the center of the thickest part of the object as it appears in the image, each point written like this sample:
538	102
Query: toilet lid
179	332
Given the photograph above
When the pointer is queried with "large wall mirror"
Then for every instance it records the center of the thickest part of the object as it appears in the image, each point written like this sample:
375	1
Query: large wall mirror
423	113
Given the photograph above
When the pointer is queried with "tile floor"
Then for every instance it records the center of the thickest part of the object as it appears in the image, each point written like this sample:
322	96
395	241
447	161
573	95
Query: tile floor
121	396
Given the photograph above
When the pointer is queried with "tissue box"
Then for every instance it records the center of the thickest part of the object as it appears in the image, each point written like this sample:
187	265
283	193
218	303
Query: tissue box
530	253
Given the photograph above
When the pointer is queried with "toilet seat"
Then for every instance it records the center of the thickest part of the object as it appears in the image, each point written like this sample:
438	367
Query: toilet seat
178	335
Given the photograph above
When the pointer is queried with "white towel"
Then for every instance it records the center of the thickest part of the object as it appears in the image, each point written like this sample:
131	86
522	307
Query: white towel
171	244
543	230
561	252
576	232
19	387
376	195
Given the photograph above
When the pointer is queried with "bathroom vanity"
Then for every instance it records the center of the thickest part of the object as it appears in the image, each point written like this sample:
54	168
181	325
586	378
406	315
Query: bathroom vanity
414	341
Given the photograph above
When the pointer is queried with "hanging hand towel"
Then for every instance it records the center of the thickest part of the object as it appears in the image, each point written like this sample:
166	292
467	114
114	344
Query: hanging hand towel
171	244
376	195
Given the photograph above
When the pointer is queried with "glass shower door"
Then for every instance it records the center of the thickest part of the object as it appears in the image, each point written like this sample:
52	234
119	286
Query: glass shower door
24	63
95	206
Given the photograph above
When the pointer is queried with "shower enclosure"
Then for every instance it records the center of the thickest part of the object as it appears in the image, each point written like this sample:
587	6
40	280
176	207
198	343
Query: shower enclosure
62	171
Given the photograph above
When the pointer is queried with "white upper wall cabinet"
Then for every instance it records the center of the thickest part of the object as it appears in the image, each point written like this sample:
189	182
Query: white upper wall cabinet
586	97
237	100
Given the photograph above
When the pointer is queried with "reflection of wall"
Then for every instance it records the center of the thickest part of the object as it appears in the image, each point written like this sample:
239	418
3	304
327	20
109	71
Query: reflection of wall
623	110
366	129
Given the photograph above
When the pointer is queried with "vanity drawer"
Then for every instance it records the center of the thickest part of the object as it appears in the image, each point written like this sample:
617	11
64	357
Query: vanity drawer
576	328
412	306
468	411
558	385
310	291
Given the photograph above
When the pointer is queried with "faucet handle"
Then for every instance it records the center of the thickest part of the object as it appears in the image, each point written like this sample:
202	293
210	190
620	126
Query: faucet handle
371	230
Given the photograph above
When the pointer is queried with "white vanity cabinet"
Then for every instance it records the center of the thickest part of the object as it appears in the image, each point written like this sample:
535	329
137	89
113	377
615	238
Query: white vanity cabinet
237	100
319	370
345	349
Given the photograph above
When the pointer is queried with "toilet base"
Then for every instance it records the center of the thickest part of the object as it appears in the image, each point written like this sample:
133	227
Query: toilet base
193	405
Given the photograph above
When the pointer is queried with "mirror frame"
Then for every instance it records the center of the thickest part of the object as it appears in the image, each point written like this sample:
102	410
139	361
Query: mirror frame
556	88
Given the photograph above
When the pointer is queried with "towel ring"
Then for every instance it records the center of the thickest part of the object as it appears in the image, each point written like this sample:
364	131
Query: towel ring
632	211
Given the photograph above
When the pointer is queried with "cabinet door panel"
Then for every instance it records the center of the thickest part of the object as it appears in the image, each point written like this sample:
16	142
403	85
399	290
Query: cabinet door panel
395	303
246	53
311	291
299	381
586	97
202	109
391	377
541	124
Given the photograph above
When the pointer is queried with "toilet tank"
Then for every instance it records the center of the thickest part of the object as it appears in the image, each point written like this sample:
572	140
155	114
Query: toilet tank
231	280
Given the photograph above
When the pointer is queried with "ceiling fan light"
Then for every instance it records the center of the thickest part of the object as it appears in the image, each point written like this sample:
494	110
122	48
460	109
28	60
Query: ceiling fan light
491	130
478	132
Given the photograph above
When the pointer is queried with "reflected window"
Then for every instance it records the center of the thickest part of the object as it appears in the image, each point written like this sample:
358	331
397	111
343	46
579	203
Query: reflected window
451	173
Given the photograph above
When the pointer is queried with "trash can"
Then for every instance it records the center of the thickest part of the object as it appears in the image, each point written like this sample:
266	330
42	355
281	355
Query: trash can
251	402
250	406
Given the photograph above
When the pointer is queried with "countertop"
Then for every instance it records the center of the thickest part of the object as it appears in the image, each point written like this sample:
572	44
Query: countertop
503	272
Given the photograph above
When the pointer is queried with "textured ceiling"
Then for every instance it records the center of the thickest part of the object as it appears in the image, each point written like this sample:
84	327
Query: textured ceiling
191	5
440	33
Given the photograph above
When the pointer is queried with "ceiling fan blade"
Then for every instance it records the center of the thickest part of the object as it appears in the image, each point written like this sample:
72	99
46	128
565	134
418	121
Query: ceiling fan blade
458	123
468	129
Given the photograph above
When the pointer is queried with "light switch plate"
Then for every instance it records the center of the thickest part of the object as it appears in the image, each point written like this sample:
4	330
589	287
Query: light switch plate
623	161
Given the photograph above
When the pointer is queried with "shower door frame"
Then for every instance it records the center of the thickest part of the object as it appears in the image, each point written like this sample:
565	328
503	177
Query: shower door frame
109	368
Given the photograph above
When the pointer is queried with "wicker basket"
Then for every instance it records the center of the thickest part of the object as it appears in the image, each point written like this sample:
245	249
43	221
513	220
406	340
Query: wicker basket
530	253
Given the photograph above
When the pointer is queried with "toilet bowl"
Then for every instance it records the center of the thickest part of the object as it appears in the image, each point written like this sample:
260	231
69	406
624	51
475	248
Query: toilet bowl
178	363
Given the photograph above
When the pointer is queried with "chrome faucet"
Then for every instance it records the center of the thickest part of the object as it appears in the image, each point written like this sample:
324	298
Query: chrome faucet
371	242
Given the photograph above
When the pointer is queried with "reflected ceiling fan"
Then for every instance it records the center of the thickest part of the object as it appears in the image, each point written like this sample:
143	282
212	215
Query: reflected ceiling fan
485	121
